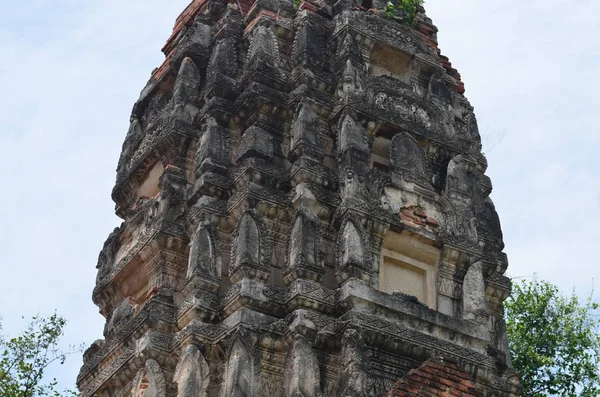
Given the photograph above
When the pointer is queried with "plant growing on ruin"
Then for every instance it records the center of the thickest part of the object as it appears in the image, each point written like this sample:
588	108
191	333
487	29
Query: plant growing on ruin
406	8
24	359
554	341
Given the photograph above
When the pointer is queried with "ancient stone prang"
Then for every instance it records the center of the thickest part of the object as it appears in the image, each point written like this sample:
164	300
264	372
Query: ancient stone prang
305	213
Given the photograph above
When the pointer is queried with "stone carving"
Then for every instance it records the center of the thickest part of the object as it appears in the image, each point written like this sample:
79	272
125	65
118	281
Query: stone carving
354	379
305	134
352	246
249	250
302	374
309	46
248	242
403	107
150	381
264	47
256	142
407	158
173	194
461	226
191	374
223	60
186	92
213	150
351	83
459	178
197	42
352	184
349	50
107	255
239	379
405	154
490	225
133	139
438	87
263	140
473	296
122	313
303	248
203	258
352	136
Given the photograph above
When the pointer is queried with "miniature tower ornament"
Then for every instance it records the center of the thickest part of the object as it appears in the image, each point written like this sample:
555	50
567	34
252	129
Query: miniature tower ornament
305	213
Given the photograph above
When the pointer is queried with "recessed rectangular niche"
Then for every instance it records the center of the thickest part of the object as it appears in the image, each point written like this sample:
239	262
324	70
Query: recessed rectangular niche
149	186
387	61
409	265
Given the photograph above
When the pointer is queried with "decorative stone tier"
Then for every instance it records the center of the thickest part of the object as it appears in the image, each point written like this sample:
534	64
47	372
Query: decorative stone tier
305	213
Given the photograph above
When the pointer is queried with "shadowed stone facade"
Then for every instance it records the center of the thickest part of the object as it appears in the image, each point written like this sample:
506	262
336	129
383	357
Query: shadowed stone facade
306	213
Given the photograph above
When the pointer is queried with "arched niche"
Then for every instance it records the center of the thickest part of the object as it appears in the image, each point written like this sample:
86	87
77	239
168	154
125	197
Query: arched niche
303	242
264	46
247	249
239	379
223	59
150	381
406	155
474	304
352	245
192	374
203	256
302	376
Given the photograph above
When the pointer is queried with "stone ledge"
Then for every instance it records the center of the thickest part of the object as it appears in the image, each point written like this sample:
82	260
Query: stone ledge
366	299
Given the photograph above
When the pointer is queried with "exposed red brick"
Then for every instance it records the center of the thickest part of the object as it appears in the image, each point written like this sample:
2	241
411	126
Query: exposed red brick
186	18
435	378
262	13
419	212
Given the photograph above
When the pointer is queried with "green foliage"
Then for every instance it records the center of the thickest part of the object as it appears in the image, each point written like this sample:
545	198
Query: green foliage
406	8
554	341
297	4
24	359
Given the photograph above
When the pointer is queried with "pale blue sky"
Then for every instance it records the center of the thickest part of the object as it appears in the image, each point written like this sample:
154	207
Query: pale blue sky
71	70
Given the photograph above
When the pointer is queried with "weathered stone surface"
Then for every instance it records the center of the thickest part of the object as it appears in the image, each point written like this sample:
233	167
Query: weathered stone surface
150	381
192	374
305	213
474	303
302	374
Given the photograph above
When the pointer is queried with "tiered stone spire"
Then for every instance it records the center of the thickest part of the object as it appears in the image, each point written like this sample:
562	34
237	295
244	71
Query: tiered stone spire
305	214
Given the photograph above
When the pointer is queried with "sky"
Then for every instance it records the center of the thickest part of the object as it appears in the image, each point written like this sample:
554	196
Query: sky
71	71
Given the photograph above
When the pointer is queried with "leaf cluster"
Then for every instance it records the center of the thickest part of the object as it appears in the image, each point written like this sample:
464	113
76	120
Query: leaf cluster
25	358
554	341
407	9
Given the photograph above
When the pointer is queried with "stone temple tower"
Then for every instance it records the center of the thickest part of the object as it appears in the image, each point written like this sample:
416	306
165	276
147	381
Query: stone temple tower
305	213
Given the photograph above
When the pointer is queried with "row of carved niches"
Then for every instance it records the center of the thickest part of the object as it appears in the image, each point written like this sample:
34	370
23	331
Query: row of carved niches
450	218
263	45
240	368
358	361
458	216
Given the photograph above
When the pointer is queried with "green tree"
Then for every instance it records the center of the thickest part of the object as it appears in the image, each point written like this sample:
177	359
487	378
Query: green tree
408	9
25	358
554	340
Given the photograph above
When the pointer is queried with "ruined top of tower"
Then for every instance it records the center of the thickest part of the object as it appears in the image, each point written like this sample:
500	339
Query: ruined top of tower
305	214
